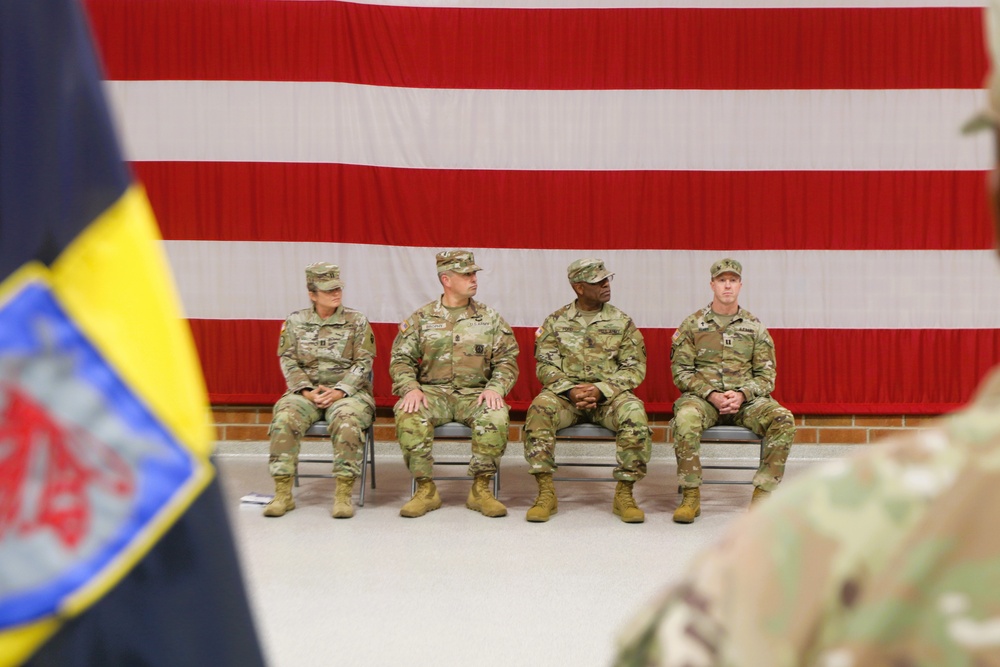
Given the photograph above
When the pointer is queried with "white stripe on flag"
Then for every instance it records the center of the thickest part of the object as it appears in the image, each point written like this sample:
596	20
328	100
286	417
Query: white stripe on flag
257	121
786	289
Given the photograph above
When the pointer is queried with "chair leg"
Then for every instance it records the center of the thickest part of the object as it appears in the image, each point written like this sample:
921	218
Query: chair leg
371	455
364	474
367	459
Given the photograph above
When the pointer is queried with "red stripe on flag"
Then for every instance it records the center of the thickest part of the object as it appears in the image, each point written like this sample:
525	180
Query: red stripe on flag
795	48
799	210
820	371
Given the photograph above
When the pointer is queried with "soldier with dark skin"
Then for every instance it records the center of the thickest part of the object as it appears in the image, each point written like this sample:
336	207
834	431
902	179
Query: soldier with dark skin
722	359
454	359
589	357
888	558
326	354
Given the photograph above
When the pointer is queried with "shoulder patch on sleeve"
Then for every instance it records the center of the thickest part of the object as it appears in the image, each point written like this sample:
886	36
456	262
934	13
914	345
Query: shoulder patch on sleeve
677	334
538	332
404	326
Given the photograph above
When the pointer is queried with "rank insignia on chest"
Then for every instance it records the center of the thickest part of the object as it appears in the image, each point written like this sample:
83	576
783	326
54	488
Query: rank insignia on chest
480	349
727	341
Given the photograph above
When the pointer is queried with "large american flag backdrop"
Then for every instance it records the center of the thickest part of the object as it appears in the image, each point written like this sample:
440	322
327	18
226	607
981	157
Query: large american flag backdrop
814	141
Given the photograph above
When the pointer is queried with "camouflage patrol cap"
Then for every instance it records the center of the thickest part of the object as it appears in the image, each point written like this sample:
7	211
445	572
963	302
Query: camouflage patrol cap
459	261
323	276
587	271
727	266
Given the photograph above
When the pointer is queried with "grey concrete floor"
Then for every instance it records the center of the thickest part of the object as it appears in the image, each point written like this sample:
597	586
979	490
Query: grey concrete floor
455	587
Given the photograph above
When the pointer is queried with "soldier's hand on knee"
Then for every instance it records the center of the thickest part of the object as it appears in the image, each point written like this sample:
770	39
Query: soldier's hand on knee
413	401
492	399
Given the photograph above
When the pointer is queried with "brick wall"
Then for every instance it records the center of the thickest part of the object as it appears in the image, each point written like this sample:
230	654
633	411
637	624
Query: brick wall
249	423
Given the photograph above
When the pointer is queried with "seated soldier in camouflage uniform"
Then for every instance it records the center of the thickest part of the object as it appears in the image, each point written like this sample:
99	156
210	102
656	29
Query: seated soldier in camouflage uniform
722	360
326	354
453	360
589	357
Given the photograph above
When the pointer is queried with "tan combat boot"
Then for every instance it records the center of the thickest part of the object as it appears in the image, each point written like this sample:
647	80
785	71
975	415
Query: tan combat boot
342	507
624	504
282	501
545	504
759	495
424	500
690	506
481	498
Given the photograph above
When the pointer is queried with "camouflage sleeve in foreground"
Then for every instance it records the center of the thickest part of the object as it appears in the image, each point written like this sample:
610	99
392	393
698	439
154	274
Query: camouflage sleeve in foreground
892	558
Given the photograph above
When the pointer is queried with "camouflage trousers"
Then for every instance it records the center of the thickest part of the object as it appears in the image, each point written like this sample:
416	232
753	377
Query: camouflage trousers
293	415
625	414
764	415
415	430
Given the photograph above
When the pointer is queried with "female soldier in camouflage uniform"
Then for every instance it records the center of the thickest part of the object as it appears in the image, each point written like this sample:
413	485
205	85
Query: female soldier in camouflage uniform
326	355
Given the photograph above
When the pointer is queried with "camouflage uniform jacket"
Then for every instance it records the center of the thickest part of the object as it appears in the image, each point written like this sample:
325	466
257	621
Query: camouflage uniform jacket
476	351
336	352
706	356
891	558
608	352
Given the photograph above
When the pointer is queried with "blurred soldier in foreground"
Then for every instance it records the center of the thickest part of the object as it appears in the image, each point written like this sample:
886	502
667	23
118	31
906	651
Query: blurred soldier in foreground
590	356
453	360
892	558
326	354
722	360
